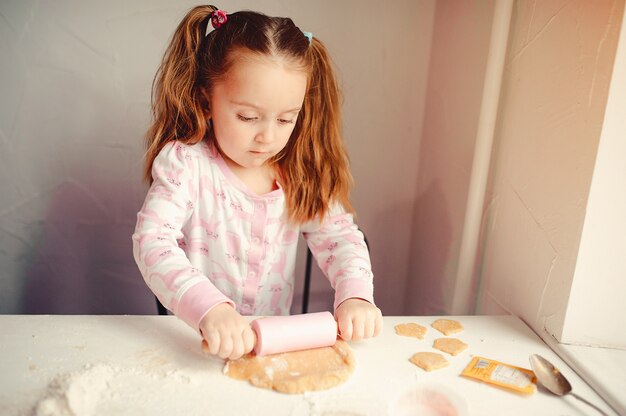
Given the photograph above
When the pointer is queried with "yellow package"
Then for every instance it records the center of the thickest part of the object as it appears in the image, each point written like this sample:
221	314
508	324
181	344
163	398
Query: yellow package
500	374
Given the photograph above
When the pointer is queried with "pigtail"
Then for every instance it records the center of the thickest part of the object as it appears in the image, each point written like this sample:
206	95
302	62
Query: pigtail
177	99
314	166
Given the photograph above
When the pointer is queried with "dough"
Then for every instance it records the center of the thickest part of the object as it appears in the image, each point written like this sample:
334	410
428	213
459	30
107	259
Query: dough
429	361
452	346
296	372
447	326
411	330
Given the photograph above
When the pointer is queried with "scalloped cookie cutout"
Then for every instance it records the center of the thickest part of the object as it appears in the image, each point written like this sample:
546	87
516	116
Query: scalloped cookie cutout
411	329
447	326
452	346
429	361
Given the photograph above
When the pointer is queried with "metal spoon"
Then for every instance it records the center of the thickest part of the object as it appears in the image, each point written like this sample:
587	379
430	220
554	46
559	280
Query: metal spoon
552	379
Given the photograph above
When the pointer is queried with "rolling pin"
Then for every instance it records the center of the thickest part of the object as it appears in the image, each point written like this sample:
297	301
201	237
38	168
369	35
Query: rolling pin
276	334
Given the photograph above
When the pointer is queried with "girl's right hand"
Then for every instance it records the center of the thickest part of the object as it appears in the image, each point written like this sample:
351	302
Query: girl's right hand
227	333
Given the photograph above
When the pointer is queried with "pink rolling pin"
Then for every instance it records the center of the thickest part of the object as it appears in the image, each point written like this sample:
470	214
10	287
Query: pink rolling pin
277	334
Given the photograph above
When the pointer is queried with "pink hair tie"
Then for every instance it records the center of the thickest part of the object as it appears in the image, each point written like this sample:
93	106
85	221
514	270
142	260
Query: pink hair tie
218	18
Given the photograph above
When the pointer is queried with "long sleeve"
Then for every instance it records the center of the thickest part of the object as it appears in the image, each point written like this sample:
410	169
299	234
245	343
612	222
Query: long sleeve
158	239
340	251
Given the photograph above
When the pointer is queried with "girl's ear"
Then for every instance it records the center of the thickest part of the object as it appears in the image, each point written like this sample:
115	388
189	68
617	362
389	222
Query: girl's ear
206	103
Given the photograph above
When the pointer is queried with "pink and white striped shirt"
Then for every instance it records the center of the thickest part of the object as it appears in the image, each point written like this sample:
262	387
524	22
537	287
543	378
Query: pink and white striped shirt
203	238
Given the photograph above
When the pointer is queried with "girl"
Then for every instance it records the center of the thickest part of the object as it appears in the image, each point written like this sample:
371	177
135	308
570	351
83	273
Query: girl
244	153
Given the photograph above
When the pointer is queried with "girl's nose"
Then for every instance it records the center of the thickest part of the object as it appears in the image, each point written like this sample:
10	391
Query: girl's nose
265	135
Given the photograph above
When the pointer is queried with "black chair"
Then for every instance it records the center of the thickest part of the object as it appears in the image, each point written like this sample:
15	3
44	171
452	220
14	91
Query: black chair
306	292
162	310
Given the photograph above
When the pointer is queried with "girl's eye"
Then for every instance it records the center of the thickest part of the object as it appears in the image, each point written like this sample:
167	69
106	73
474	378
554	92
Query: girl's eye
244	118
284	121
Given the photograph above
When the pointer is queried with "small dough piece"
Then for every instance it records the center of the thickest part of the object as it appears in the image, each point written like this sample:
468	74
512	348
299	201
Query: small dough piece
296	372
411	329
447	326
429	361
452	346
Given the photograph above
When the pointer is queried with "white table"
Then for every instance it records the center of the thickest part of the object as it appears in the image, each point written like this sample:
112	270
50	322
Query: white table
155	367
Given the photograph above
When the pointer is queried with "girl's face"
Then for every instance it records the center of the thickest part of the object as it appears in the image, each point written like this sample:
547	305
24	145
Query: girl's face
254	109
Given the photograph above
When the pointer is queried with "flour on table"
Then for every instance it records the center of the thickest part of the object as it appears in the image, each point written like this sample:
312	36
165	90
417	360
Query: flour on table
76	393
103	389
340	403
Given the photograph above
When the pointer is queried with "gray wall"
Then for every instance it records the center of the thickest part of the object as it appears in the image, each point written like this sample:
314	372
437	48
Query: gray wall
75	81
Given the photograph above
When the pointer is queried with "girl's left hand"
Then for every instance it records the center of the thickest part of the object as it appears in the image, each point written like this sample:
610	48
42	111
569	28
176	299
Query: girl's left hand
358	319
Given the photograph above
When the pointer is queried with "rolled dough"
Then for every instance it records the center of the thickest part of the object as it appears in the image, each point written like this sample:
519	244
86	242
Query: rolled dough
296	372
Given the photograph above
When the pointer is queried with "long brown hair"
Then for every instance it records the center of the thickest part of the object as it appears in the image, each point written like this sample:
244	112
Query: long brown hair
313	166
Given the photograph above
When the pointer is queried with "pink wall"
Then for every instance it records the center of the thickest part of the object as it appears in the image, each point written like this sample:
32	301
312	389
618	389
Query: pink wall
596	304
552	103
556	83
453	98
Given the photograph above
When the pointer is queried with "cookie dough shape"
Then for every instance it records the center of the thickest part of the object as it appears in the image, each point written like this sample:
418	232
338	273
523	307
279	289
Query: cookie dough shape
411	330
429	361
447	326
296	372
452	346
